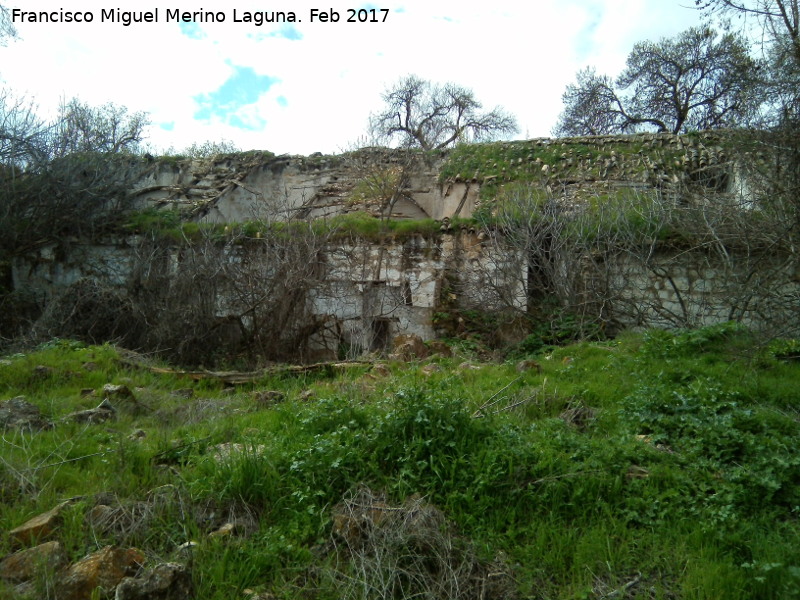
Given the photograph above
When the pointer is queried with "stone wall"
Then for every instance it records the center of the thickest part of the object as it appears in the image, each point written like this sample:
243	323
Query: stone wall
367	291
249	186
371	291
674	288
445	184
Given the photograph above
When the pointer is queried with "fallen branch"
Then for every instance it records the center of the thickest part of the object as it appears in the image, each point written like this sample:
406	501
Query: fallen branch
242	377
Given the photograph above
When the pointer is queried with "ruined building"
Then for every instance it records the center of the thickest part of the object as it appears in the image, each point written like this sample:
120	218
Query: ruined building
325	256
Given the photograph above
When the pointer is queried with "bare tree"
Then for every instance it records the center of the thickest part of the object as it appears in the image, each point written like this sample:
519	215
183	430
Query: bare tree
698	80
776	141
108	128
780	19
70	177
7	29
642	258
207	149
431	116
24	137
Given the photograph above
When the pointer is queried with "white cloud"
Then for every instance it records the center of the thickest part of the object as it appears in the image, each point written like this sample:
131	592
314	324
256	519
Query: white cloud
329	75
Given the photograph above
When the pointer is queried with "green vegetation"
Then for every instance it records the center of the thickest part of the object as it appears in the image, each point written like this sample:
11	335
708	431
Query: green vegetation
531	161
167	225
657	465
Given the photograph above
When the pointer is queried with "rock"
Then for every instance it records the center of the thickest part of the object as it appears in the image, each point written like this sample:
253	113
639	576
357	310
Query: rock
100	414
528	365
254	595
39	527
100	517
440	348
40	371
186	548
102	569
430	369
227	530
167	581
409	347
268	398
468	366
18	413
25	564
381	370
122	397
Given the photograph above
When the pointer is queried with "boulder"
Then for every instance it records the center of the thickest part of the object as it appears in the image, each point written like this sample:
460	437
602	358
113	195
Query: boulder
408	347
528	365
380	370
167	581
39	527
25	564
440	348
18	413
102	569
100	414
267	398
430	369
122	397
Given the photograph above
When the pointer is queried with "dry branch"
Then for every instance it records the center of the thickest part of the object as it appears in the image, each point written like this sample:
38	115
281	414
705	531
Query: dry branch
242	377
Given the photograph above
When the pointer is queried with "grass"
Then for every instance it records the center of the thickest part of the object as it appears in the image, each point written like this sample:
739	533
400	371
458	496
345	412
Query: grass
657	465
497	164
166	225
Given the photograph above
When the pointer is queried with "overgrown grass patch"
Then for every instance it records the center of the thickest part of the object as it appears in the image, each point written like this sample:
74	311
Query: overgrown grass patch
655	465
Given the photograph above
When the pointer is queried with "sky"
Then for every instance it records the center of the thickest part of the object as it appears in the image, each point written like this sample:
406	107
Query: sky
310	85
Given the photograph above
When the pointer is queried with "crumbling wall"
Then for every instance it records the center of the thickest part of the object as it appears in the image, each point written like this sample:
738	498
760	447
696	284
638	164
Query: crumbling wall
365	292
247	186
362	292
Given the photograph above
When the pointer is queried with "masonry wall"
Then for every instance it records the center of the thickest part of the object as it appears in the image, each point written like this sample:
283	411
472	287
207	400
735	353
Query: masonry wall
372	291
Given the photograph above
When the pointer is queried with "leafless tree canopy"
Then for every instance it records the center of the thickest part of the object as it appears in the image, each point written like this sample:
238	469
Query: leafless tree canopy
779	134
419	113
64	177
780	19
698	80
7	29
108	128
595	259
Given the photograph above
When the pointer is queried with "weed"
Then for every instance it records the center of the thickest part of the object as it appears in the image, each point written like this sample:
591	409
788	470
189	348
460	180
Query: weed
659	464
